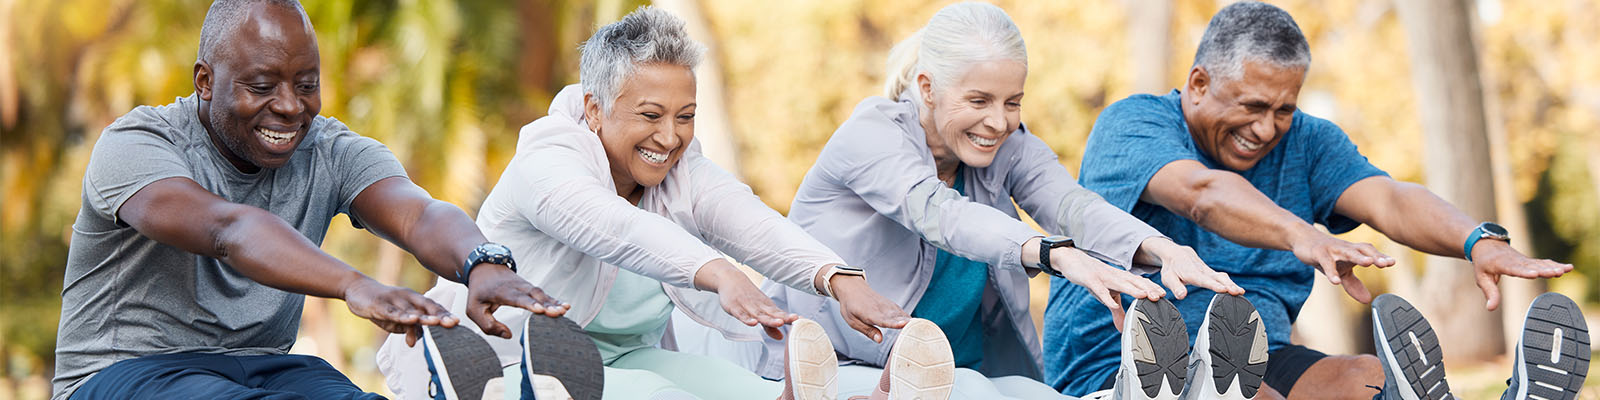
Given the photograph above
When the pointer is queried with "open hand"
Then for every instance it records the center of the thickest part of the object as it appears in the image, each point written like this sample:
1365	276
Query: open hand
1337	260
864	310
1180	266
1492	259
492	285
1105	282
395	309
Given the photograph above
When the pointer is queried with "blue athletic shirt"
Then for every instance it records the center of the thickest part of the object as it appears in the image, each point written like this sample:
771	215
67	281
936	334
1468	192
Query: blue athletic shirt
1310	167
953	297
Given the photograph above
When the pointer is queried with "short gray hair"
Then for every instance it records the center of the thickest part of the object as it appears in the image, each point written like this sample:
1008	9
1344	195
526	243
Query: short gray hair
646	36
1254	31
957	36
224	18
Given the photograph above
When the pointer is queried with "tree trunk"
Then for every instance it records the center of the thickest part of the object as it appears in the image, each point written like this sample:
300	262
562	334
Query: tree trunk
1149	33
713	126
1449	92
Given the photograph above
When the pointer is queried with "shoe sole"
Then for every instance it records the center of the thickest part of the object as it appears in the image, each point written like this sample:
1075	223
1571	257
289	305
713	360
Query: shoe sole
1156	342
558	348
813	366
465	363
1409	349
1235	349
1553	355
921	365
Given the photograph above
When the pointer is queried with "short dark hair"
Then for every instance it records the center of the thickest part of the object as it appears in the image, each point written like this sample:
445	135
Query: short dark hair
1251	30
224	18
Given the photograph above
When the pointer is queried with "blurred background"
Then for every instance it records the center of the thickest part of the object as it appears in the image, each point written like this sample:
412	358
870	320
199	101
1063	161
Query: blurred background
1491	103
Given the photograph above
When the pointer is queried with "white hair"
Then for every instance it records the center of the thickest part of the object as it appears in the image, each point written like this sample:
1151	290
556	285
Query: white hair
957	37
646	36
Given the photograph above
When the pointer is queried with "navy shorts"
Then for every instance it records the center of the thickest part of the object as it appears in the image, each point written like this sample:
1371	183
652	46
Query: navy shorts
194	375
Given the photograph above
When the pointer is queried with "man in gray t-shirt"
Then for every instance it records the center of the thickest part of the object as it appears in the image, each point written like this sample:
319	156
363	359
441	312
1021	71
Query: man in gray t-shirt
199	230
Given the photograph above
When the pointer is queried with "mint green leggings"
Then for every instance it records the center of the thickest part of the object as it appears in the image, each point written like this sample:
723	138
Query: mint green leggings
652	373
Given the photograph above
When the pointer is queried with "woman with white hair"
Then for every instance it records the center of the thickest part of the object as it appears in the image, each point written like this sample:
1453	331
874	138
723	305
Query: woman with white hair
919	186
609	203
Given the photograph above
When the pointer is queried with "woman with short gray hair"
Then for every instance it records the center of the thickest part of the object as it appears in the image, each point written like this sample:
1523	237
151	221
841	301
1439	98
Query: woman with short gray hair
920	184
611	205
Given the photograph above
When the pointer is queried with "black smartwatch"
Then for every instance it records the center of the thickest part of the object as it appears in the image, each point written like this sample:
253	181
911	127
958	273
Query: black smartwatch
1486	230
1045	245
487	253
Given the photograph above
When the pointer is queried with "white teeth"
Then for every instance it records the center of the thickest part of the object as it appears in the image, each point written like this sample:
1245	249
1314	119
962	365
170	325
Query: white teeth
981	142
275	137
653	157
1246	145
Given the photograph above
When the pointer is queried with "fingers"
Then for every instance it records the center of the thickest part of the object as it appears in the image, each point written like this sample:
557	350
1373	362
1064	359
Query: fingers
1490	285
1329	267
412	334
1112	301
481	315
1125	282
1355	288
1173	282
856	322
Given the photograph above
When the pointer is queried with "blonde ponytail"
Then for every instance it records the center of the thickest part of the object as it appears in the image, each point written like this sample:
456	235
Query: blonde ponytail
902	72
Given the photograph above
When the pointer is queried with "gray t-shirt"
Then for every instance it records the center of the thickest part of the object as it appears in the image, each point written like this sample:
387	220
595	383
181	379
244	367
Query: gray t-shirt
126	295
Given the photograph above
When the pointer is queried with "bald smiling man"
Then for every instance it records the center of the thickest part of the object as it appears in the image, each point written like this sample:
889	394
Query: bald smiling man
198	235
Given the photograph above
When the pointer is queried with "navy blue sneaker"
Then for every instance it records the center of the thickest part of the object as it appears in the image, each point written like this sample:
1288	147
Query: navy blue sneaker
1552	353
1413	364
461	364
559	361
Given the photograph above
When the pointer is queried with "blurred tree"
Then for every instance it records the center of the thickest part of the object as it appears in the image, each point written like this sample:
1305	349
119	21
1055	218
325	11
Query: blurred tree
1444	70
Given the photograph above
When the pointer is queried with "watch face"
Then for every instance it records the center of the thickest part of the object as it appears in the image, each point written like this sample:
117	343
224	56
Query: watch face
1494	229
495	249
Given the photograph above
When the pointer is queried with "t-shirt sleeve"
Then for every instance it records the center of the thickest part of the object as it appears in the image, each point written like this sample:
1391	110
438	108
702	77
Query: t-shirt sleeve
1335	164
359	161
131	153
1131	140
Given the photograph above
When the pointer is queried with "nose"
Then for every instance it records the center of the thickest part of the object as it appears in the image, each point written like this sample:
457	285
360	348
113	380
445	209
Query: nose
667	137
1265	129
995	120
284	102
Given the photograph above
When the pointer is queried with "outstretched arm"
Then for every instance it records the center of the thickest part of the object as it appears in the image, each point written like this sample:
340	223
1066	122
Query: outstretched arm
440	235
263	247
1226	203
1415	217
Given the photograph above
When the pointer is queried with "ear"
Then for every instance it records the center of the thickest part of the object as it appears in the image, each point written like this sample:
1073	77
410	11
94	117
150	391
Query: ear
925	86
591	112
202	80
1199	82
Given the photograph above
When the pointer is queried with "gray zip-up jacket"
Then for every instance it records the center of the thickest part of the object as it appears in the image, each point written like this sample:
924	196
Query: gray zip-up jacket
874	197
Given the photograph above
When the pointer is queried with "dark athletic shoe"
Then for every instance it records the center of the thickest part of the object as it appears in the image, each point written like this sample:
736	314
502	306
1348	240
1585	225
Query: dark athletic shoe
1155	352
559	361
1413	364
1229	357
1553	352
462	365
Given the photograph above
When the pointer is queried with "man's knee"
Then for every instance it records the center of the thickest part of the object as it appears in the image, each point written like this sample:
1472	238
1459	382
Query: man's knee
1344	375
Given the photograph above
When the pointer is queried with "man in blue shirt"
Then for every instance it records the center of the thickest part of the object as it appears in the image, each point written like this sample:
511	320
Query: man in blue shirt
1229	167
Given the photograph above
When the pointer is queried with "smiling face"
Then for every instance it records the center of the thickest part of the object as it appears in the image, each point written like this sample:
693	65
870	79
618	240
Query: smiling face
970	118
258	98
1238	121
649	126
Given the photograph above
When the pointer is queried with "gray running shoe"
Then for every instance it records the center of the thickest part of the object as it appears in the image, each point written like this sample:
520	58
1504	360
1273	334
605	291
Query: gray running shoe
1413	364
1229	357
1155	352
1553	352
